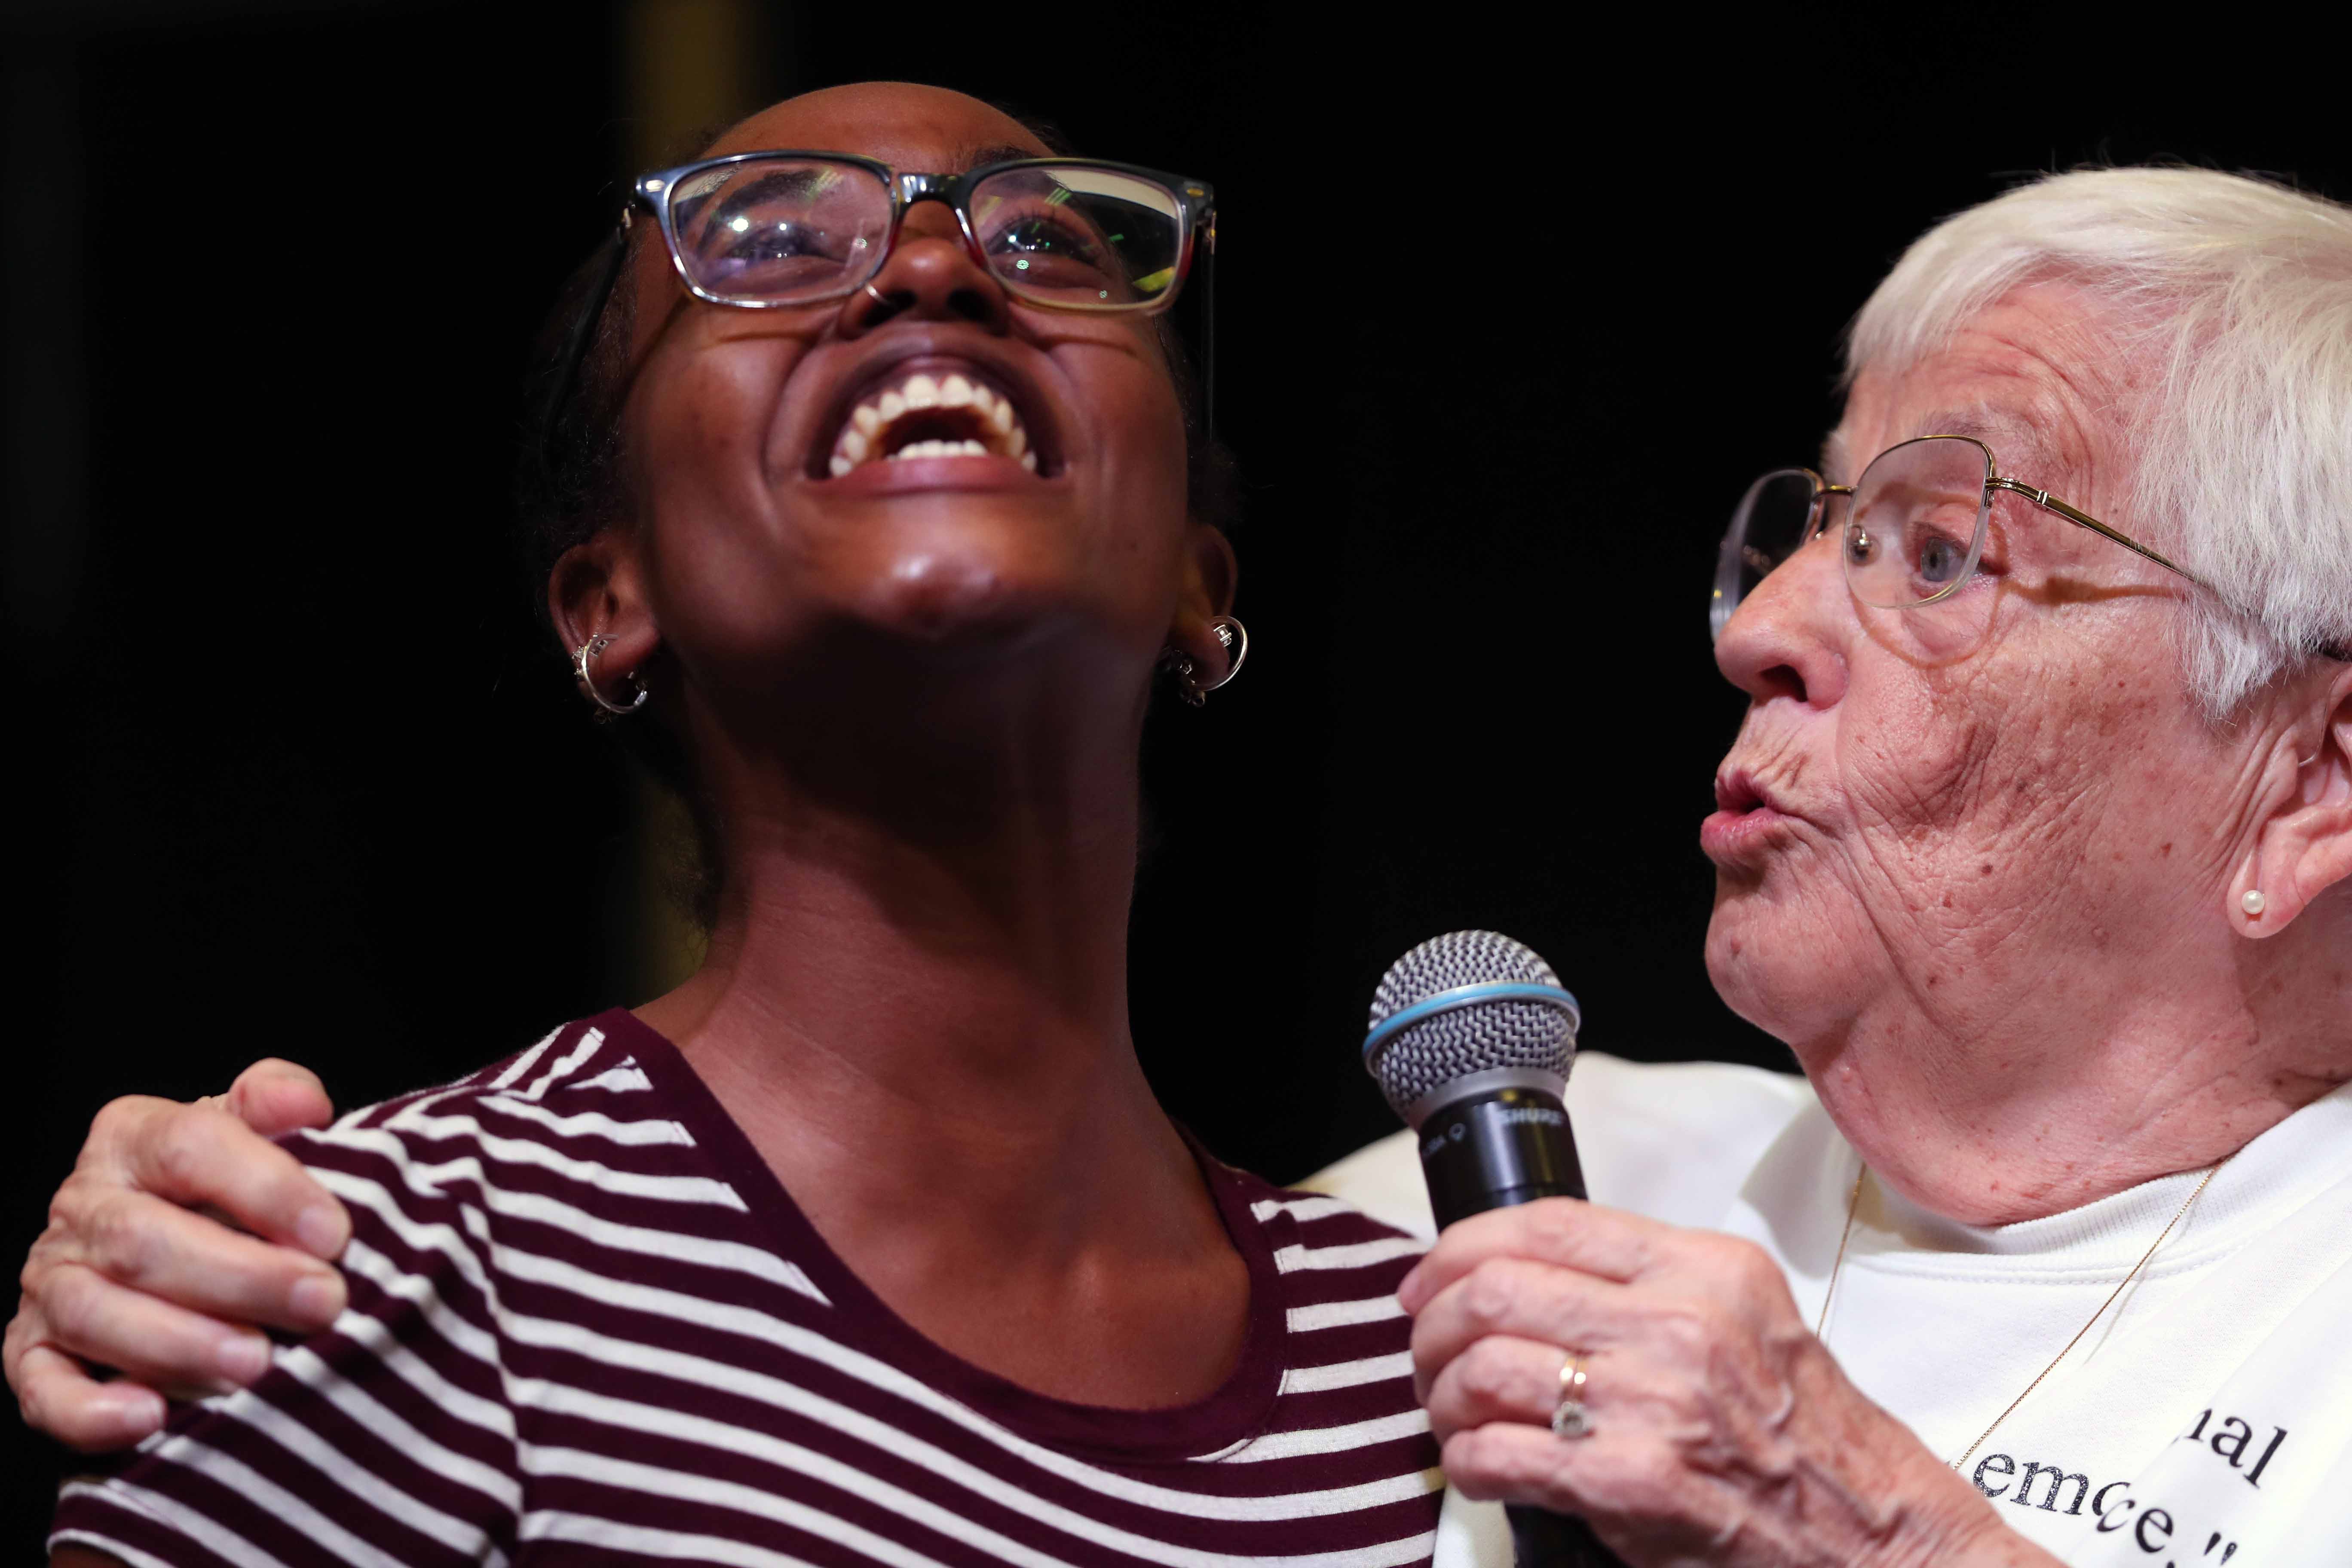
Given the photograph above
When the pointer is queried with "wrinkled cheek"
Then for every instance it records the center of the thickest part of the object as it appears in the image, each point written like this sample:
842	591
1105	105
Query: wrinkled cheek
1918	776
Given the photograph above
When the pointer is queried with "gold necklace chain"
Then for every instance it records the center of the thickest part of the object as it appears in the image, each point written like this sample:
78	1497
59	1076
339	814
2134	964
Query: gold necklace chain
1853	1205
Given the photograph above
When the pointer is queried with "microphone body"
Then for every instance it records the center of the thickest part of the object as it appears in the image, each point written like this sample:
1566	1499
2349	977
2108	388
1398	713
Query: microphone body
1472	1039
1497	1146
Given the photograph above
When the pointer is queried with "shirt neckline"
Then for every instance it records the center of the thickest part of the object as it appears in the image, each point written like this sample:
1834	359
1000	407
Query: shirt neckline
1234	1413
2281	1168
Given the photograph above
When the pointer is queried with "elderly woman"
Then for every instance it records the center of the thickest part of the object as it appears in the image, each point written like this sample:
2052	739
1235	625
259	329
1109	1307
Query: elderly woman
2034	846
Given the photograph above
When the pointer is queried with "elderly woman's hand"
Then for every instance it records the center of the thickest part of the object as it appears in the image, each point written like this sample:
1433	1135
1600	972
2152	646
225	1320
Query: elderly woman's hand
128	1276
1722	1431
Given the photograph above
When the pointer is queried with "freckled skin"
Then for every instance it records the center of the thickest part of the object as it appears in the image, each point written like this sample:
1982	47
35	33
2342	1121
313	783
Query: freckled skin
1995	909
2008	1003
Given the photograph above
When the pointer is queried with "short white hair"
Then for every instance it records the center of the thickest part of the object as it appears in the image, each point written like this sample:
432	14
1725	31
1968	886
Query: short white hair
2239	292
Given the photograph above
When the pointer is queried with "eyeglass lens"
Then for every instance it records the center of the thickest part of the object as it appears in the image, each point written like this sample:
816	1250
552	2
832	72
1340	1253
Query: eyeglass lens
1916	525
781	230
1075	236
1772	522
1913	529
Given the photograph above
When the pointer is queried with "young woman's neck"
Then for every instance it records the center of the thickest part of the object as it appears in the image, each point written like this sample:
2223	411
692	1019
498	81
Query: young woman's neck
970	966
915	1005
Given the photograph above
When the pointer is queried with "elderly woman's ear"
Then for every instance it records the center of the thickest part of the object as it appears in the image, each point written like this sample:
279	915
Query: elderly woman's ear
2303	847
597	590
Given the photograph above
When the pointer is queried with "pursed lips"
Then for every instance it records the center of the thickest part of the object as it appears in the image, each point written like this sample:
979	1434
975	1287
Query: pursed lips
1739	790
1746	814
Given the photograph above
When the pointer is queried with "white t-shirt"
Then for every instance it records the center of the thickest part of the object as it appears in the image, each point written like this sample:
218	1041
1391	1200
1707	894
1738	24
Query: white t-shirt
2207	1418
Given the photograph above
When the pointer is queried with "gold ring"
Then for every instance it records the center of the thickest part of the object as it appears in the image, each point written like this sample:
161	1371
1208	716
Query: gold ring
1569	1419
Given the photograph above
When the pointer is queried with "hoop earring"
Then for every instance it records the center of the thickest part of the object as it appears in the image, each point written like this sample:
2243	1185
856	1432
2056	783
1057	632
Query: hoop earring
1234	636
584	664
1235	639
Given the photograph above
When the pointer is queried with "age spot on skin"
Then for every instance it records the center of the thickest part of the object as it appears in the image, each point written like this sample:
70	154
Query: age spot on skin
1986	869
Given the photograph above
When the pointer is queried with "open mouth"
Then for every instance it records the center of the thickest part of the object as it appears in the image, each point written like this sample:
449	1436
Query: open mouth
929	413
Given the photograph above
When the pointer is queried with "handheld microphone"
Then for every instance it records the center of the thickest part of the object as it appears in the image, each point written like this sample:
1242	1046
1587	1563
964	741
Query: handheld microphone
1472	1037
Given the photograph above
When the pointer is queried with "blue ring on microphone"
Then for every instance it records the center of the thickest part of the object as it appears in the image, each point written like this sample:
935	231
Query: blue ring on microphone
1470	996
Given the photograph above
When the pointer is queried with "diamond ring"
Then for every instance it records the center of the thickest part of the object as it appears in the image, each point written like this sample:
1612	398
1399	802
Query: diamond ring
1569	1419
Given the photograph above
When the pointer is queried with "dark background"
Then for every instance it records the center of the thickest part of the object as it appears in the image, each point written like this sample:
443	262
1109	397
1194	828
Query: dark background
1508	312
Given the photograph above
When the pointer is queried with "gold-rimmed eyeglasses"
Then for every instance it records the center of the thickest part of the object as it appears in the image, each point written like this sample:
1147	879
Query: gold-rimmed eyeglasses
1914	528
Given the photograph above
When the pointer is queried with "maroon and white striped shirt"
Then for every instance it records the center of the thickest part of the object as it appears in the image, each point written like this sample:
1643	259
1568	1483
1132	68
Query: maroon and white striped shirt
587	1323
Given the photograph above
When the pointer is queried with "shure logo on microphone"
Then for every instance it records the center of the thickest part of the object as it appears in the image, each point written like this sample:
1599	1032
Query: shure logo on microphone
1542	1114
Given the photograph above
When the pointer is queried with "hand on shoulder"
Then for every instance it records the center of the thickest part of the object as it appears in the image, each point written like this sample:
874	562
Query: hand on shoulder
181	1233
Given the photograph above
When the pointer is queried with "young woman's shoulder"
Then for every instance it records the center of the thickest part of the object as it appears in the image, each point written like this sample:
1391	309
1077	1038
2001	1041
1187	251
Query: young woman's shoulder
573	1121
513	1233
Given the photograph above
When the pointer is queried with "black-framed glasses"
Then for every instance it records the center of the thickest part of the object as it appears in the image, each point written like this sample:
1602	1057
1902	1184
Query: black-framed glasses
766	229
778	230
1913	526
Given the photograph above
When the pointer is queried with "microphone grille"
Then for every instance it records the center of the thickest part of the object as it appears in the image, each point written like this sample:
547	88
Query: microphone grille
1447	1045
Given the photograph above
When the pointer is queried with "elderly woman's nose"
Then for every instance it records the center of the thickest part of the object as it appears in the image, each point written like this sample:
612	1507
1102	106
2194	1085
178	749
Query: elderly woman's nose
929	273
1783	639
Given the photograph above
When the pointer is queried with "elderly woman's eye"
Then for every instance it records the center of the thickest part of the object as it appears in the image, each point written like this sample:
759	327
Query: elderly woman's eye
1940	559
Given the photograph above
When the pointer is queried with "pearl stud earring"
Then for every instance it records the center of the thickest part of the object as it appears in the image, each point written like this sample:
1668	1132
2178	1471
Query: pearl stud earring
2252	902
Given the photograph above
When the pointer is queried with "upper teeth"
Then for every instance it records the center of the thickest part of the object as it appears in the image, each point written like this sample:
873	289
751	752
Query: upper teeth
872	433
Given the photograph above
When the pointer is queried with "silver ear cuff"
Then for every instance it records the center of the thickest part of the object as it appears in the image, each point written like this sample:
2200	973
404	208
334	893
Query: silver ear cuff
1235	639
584	664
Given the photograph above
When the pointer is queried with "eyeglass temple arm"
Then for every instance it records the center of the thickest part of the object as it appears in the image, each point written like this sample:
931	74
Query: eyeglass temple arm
1209	335
2049	502
584	333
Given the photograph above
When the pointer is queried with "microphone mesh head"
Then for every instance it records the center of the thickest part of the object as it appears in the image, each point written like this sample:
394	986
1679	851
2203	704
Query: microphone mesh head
1452	1044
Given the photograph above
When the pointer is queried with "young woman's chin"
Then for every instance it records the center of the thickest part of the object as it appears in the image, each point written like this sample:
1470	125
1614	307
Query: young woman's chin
945	597
978	572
